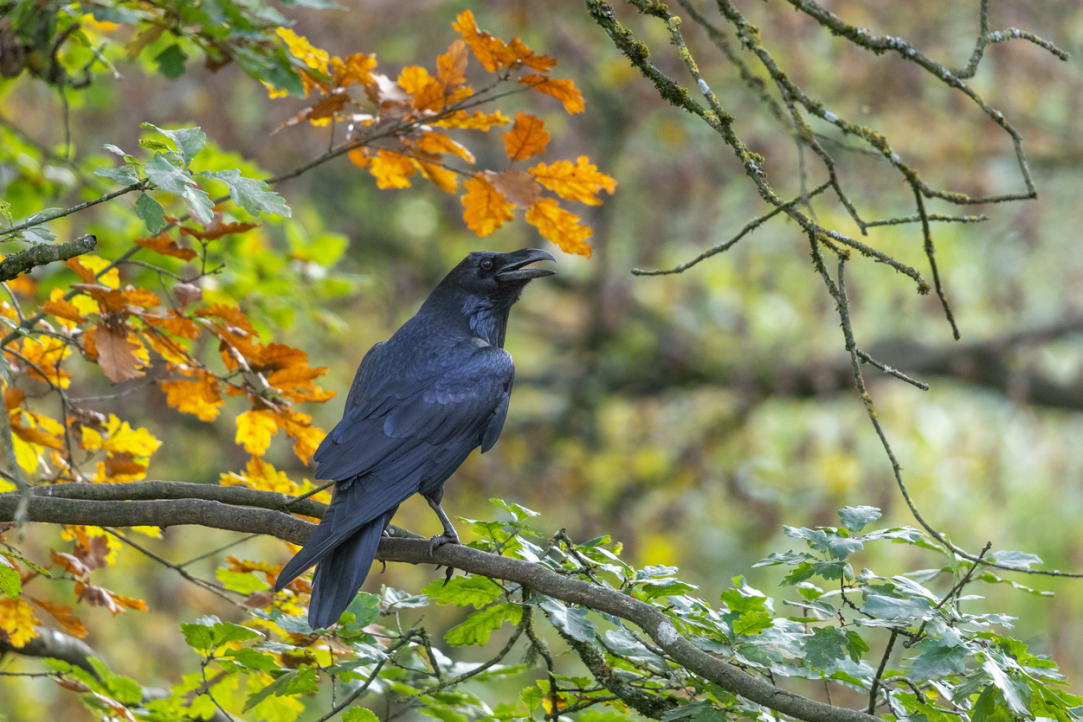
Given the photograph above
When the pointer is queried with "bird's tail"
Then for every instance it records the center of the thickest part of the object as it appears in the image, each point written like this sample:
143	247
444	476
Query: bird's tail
341	573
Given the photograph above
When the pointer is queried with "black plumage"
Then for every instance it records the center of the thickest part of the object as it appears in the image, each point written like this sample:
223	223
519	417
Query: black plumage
420	403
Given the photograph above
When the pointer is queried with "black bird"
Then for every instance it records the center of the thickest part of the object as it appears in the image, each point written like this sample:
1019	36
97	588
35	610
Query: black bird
420	403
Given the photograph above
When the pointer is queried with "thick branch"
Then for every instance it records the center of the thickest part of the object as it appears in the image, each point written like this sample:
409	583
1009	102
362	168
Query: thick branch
44	253
215	514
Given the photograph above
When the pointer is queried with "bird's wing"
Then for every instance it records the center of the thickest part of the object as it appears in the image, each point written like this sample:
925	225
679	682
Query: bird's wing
400	425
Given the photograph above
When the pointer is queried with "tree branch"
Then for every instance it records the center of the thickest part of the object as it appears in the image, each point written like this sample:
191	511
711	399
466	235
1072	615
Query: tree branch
48	507
44	253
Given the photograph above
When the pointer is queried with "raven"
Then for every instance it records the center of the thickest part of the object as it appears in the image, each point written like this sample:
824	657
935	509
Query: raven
420	403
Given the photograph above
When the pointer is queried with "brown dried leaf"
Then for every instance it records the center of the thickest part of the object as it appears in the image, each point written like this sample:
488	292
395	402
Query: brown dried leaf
116	354
517	186
187	293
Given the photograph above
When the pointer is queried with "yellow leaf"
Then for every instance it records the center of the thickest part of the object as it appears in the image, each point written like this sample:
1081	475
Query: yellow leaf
444	179
303	50
273	92
97	265
25	455
563	90
120	438
477	121
580	182
560	227
526	139
17	620
439	143
255	428
356	68
63	310
199	398
258	474
486	48
391	170
486	208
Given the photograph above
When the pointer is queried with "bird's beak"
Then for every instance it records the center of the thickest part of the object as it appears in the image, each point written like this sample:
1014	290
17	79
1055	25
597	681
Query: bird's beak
515	265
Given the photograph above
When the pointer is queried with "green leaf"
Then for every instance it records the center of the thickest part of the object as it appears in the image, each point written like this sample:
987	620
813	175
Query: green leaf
189	141
989	708
695	712
359	714
9	582
476	628
252	659
171	62
752	622
297	681
250	194
1006	686
123	689
168	176
855	518
210	632
38	234
364	610
242	582
518	512
200	203
826	540
824	647
939	658
572	621
807	570
288	624
124	175
151	212
892	608
113	149
1020	560
461	591
625	644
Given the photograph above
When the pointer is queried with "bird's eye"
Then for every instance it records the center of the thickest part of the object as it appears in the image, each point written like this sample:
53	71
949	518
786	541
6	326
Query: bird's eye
487	265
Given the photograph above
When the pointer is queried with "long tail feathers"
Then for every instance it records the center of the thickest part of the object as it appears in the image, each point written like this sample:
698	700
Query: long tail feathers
340	573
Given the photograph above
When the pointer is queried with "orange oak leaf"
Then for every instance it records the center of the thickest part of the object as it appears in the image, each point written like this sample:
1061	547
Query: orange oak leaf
560	227
174	323
212	232
477	121
108	299
61	613
392	170
14	397
518	52
526	139
232	315
255	428
451	66
140	297
356	68
258	474
439	143
165	245
200	398
579	182
563	90
360	157
427	91
444	179
115	352
303	50
80	270
486	48
35	436
64	310
69	563
515	185
486	207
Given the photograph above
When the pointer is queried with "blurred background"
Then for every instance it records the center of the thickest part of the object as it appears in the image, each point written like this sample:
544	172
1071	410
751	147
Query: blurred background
688	416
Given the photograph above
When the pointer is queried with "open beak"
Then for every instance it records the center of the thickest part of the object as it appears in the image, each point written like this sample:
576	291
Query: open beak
515	265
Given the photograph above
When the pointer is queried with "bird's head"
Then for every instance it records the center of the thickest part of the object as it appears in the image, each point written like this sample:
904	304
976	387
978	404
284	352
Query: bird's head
497	278
483	287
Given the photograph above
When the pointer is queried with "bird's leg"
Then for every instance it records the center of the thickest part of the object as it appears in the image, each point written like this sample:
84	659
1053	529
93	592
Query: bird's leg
449	536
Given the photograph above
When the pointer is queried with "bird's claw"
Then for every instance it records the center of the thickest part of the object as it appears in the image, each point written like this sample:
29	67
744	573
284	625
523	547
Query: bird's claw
440	540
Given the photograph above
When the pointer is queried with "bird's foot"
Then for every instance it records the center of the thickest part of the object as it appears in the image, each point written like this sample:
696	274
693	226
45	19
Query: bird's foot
448	537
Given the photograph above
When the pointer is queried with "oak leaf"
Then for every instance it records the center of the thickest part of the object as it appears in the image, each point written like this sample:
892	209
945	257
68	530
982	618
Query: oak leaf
526	139
579	182
392	170
563	90
119	437
486	207
62	309
477	121
444	179
17	621
61	613
304	51
451	66
165	245
356	68
212	232
187	294
200	398
140	297
560	227
515	185
255	428
115	352
258	474
439	143
427	92
486	48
